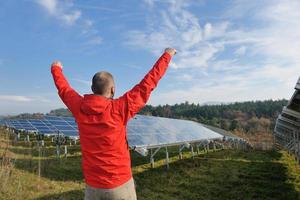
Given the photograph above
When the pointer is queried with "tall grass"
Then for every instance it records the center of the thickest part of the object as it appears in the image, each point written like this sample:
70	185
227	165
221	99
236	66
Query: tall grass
6	160
224	174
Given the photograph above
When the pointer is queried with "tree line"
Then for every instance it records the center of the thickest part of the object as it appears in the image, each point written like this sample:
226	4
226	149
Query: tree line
247	117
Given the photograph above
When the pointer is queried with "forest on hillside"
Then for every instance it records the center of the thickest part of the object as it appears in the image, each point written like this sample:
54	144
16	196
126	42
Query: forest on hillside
251	116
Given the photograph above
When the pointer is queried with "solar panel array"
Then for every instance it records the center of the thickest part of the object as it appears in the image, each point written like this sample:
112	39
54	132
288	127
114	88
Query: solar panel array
47	125
143	131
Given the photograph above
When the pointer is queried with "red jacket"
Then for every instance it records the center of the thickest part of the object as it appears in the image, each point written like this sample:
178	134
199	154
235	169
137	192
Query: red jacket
102	125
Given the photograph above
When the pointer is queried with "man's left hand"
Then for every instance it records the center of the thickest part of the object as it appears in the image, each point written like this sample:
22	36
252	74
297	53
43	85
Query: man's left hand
57	63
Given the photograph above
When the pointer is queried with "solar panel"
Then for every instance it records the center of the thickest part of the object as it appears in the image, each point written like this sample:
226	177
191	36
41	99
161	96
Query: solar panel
143	131
26	125
287	127
65	125
149	131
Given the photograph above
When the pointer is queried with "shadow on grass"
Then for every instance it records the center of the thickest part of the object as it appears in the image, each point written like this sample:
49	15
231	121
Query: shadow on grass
138	160
71	195
213	177
263	156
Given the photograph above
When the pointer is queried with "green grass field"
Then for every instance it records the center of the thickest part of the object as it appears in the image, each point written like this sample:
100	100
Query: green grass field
225	174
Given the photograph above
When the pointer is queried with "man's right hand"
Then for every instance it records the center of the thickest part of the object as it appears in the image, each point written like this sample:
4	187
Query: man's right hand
57	63
171	51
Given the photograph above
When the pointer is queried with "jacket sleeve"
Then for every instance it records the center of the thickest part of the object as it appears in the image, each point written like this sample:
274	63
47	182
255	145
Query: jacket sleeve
67	94
135	99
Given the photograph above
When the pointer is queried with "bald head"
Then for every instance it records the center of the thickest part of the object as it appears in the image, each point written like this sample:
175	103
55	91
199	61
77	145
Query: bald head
103	84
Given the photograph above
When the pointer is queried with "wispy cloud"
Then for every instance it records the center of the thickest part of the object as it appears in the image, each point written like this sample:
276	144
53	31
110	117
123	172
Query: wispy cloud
241	51
66	12
100	8
84	82
15	104
178	27
228	59
62	10
15	98
24	99
96	40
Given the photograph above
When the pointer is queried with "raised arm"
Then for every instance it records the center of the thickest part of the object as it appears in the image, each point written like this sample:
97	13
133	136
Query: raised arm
135	99
67	94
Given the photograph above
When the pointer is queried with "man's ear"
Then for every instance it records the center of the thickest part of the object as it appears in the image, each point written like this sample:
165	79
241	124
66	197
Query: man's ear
92	88
112	92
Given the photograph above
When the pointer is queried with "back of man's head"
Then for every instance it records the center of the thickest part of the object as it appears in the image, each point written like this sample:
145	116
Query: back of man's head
103	84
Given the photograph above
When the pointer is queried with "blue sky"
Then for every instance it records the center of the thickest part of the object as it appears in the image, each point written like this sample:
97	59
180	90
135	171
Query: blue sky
227	50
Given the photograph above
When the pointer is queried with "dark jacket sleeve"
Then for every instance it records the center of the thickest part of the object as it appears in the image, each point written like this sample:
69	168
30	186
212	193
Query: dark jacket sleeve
67	94
136	98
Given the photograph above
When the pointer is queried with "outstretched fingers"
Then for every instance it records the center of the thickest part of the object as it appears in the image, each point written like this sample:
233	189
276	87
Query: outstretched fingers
57	63
171	51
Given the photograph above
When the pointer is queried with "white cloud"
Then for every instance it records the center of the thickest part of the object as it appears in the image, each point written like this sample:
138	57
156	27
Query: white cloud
15	104
62	10
207	30
84	82
72	17
23	99
96	7
277	35
67	14
260	60
179	28
15	98
50	5
97	40
241	51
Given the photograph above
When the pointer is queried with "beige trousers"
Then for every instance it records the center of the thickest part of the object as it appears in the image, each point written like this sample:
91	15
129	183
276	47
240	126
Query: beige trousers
122	192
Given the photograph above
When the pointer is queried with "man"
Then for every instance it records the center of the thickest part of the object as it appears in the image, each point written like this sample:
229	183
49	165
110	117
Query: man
102	123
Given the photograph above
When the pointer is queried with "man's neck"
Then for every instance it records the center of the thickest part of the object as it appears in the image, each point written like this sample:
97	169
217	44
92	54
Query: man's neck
105	96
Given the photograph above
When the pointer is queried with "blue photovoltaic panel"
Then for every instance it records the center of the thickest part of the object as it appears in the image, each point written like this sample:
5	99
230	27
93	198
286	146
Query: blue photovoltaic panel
26	125
148	131
64	128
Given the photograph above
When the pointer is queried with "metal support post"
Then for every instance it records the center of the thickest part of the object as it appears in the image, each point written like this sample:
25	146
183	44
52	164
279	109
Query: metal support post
192	150
180	154
198	150
214	146
152	154
167	158
180	151
296	146
66	151
207	147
